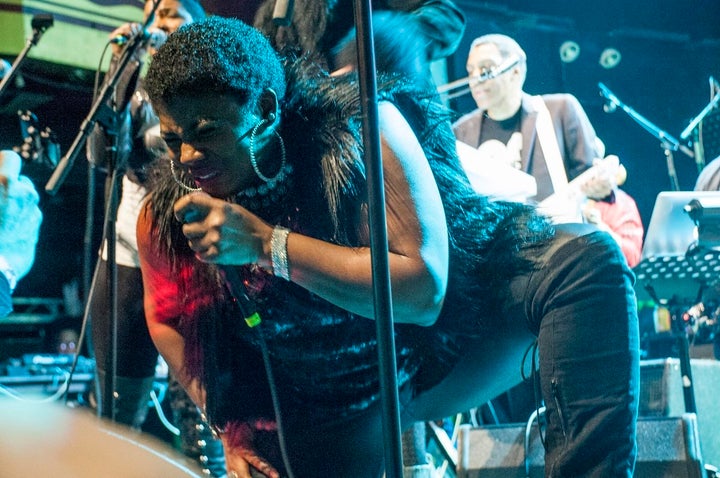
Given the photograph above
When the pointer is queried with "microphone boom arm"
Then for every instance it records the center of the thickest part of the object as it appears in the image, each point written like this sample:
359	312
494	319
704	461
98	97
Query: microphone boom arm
98	108
693	124
40	23
667	142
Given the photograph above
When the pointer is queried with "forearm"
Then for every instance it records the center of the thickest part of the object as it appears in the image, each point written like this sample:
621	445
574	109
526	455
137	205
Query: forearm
343	276
171	347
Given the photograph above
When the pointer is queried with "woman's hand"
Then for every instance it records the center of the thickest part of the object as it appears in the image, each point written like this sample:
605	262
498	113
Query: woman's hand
126	30
223	233
240	455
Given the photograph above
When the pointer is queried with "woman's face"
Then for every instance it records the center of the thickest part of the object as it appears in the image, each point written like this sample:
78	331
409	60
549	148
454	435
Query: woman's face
209	137
169	16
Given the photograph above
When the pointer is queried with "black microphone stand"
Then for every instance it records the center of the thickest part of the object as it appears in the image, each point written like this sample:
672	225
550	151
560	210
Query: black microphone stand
102	112
378	241
667	142
99	112
696	121
39	24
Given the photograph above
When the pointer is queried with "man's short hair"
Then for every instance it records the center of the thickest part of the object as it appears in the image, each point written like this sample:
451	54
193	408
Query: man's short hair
507	46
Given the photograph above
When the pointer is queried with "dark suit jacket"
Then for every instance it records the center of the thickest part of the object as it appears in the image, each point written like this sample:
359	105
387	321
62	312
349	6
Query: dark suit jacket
575	136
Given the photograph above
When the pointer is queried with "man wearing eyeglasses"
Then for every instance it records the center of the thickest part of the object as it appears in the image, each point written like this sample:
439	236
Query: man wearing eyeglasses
547	136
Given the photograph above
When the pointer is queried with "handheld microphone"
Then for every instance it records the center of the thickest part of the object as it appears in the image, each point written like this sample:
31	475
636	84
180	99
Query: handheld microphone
239	292
233	281
153	38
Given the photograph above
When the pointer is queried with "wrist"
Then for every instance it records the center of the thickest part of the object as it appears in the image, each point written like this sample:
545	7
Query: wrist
278	252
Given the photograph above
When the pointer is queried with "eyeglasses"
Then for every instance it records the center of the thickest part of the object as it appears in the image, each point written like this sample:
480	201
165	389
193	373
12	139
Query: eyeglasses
460	87
493	72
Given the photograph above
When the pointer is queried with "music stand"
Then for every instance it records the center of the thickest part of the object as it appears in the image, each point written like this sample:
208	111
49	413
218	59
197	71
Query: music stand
677	264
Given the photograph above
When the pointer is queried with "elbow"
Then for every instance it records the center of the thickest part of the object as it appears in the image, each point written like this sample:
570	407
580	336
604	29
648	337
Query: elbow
424	301
428	314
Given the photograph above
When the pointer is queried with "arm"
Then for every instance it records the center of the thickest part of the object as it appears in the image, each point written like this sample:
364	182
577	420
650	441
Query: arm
161	309
621	220
417	237
20	219
161	306
20	216
116	115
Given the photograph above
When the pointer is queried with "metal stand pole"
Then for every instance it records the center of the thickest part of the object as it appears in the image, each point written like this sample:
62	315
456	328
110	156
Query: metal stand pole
378	236
39	24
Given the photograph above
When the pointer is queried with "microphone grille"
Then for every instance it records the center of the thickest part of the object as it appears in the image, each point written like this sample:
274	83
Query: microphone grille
157	38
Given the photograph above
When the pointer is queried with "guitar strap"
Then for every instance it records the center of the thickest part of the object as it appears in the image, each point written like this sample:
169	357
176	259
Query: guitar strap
549	145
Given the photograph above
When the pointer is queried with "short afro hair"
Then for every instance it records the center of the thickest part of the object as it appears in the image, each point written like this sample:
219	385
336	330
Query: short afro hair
222	55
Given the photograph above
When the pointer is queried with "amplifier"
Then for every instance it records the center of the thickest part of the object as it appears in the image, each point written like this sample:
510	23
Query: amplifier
45	374
667	448
662	395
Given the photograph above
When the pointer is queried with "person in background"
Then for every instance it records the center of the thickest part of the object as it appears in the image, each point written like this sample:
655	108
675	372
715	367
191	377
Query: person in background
255	257
547	136
317	27
709	177
138	145
616	213
20	219
537	149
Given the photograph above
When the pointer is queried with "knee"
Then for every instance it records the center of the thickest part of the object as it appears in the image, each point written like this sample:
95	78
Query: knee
593	246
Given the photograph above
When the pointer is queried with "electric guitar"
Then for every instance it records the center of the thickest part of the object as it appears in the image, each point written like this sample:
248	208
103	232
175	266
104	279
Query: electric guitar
565	205
39	145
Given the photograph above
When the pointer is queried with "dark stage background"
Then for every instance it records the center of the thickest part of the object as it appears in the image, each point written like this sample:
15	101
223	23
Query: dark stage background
668	49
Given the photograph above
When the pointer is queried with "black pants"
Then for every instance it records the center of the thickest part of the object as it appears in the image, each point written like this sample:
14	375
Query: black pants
136	354
581	307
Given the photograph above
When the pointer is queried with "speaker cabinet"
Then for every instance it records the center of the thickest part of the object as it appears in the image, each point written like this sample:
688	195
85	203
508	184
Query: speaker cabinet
498	451
662	395
667	448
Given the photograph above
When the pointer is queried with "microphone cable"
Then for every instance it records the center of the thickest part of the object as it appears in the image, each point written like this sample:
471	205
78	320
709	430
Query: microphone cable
252	319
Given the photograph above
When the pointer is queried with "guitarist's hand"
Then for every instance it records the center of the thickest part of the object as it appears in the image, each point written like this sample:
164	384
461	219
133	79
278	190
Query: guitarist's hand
605	179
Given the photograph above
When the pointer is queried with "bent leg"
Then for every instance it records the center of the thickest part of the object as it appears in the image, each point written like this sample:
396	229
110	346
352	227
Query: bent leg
136	354
583	305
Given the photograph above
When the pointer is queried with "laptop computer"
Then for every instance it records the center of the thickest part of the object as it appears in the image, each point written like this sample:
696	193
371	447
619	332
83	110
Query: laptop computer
675	264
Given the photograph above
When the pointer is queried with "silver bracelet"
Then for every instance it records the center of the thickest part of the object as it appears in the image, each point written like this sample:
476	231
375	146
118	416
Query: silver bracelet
278	252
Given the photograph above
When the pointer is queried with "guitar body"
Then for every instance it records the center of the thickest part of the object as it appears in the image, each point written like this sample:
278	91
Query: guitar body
597	182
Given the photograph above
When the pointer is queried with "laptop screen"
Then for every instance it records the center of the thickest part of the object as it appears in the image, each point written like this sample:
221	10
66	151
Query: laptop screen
672	265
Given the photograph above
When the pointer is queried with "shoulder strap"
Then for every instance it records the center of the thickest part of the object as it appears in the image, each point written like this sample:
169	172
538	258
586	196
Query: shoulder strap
549	145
